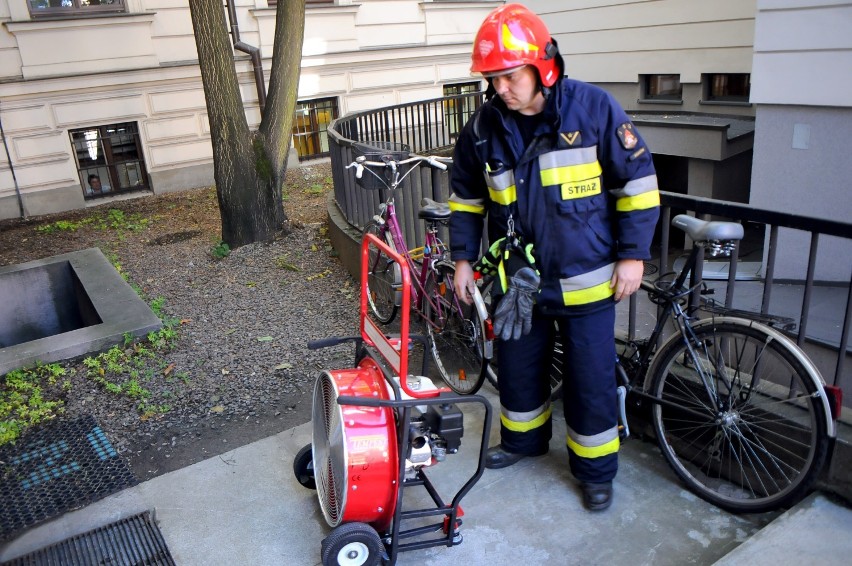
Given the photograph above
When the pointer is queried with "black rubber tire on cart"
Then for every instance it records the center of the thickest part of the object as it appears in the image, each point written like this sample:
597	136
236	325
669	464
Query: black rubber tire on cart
303	467
352	544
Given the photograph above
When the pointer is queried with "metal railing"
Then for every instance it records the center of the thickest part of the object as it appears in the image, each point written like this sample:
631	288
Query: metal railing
422	126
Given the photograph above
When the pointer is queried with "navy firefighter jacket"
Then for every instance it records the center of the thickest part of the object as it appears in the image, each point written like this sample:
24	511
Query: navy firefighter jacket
583	192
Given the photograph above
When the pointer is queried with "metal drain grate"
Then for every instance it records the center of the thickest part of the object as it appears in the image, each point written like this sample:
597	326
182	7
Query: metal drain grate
129	542
55	469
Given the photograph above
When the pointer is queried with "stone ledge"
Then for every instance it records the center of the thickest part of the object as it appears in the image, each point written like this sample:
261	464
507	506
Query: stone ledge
119	307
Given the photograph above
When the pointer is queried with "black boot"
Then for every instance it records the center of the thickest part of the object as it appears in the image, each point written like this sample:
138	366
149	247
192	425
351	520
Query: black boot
497	457
597	496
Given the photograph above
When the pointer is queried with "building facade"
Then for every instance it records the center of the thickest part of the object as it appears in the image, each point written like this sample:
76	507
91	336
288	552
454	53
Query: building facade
100	98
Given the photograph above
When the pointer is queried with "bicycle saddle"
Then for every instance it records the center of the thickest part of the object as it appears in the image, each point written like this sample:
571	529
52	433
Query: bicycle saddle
432	210
704	230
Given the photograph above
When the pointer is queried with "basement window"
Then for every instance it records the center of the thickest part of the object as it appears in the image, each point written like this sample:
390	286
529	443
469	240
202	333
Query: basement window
109	159
663	88
726	87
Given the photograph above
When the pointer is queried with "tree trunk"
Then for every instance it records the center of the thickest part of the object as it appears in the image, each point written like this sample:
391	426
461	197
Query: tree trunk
249	167
276	127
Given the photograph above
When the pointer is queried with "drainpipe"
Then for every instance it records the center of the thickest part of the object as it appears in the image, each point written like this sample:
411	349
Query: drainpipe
12	169
253	52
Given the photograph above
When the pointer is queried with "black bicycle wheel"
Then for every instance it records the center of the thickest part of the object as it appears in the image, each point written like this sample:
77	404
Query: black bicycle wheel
750	436
456	333
384	279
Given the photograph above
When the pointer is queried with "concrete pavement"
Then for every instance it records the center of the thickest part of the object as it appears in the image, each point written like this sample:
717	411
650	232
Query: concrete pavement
245	506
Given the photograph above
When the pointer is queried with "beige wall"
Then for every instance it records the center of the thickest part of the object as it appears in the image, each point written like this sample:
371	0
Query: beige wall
615	41
142	67
801	84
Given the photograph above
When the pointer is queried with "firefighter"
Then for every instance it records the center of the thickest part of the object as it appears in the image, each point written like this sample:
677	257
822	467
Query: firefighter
568	186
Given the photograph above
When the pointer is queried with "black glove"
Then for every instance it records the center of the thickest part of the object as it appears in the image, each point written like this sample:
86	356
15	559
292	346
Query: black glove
513	317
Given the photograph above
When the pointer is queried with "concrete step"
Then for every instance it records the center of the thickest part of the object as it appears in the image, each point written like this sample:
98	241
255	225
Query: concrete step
816	531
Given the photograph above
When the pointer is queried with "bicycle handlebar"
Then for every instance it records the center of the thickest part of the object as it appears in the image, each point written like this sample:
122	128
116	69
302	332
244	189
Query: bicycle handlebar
433	161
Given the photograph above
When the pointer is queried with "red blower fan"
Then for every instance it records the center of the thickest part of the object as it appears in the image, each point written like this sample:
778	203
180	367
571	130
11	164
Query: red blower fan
374	434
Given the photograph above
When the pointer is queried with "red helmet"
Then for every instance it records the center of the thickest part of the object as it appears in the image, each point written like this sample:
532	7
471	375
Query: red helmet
512	36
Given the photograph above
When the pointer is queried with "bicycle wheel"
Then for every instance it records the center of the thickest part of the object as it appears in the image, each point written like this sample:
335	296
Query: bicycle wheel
456	333
384	280
749	437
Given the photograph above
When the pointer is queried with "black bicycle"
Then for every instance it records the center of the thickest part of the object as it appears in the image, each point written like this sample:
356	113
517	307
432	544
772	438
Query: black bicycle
739	411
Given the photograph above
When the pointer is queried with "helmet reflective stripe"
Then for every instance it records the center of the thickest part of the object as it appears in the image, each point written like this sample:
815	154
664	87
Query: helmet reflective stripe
514	43
594	446
588	287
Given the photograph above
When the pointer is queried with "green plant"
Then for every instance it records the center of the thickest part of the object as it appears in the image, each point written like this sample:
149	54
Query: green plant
316	189
157	306
28	397
220	250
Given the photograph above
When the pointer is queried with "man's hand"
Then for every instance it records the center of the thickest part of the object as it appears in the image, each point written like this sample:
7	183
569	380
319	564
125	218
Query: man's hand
464	283
626	277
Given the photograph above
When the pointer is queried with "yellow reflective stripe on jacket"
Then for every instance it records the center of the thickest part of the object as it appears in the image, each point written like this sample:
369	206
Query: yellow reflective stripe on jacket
638	194
643	201
588	287
476	206
501	187
523	422
636	187
594	446
569	166
568	157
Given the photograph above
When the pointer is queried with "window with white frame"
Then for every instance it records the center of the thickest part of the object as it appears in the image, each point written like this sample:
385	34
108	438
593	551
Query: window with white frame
43	8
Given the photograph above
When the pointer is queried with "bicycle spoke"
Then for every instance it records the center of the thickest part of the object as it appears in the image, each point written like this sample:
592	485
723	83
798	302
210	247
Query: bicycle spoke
765	441
455	333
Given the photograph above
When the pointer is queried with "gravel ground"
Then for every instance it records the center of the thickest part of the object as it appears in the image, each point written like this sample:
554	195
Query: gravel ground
240	369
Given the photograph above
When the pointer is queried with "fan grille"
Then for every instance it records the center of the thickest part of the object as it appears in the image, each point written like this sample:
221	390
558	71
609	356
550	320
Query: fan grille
329	450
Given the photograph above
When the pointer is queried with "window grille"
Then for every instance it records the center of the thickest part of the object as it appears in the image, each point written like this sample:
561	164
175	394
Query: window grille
109	159
310	123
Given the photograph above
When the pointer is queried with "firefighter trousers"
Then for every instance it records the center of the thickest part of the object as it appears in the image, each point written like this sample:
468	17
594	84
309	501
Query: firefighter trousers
588	393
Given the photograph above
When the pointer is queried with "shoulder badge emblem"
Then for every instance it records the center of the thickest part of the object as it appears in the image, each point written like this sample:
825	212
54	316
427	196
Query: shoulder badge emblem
627	136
